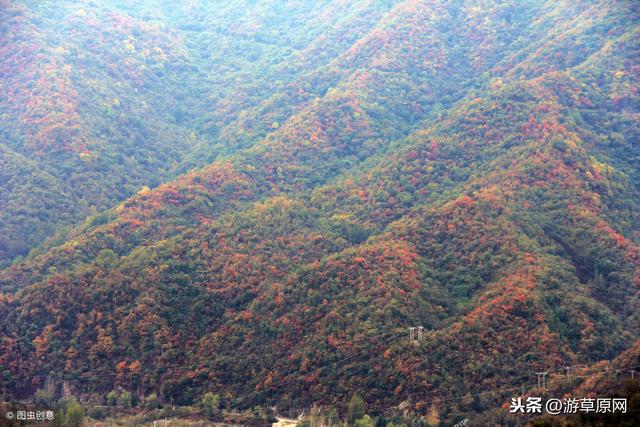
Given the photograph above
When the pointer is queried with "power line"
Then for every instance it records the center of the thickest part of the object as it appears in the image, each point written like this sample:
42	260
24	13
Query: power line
200	364
629	369
433	401
525	365
541	376
284	382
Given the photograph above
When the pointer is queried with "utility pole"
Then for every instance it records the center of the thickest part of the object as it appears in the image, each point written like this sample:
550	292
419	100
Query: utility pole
416	334
542	379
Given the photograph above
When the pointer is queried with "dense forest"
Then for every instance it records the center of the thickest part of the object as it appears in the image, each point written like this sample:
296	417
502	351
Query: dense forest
249	203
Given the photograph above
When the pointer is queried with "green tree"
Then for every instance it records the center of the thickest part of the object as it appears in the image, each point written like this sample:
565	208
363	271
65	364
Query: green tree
74	416
125	399
112	398
43	397
106	258
151	401
58	418
210	405
356	409
365	421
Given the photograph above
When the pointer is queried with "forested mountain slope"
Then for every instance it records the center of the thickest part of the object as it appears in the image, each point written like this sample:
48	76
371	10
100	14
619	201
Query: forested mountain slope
109	97
469	168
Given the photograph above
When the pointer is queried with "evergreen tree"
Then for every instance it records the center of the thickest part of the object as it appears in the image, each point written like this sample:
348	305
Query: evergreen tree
356	409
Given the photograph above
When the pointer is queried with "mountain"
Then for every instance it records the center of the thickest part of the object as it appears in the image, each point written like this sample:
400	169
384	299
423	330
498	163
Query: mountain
107	98
320	176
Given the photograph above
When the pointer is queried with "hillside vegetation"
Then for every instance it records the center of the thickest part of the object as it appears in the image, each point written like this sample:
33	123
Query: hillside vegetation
260	198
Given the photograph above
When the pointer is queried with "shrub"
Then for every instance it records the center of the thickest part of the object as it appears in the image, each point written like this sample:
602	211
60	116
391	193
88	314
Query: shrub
112	398
74	416
43	397
151	401
125	399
